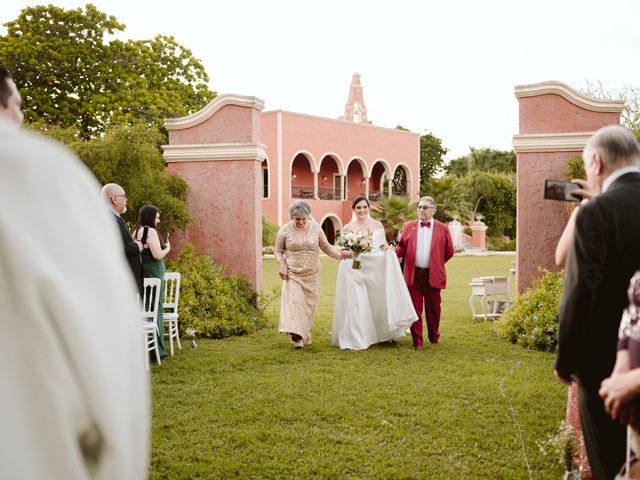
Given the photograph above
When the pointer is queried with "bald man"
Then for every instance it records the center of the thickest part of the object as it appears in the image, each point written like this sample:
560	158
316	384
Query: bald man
116	198
73	387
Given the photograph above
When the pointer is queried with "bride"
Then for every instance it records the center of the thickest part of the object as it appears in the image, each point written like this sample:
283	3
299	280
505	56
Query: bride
372	304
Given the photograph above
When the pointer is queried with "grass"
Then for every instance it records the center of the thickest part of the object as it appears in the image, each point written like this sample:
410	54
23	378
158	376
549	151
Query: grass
473	406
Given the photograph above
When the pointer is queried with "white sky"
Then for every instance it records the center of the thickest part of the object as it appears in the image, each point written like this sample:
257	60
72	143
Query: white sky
443	66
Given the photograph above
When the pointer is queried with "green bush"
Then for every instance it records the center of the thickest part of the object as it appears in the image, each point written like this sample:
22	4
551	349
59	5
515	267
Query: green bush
532	320
214	304
575	168
501	244
269	231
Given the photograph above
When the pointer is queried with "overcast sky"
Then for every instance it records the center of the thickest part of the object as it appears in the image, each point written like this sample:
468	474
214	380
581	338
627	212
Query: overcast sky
446	66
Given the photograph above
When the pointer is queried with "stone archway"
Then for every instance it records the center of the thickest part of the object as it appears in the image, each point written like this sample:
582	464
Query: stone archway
331	227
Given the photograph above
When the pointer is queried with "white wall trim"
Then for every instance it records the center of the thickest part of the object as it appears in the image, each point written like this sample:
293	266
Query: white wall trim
212	152
334	217
385	164
309	156
573	96
211	108
551	142
336	158
407	171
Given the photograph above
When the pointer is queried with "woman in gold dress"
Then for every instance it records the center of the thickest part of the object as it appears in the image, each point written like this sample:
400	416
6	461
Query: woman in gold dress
298	246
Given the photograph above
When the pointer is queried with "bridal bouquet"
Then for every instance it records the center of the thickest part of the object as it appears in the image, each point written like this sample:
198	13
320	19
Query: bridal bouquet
358	241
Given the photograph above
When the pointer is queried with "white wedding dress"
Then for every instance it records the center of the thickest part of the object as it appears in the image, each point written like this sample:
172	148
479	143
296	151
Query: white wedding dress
372	304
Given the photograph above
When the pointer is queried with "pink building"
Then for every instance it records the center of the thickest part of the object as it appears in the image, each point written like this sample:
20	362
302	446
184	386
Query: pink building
328	162
239	162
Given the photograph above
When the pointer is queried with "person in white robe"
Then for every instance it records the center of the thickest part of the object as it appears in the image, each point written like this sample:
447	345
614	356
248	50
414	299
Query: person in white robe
74	393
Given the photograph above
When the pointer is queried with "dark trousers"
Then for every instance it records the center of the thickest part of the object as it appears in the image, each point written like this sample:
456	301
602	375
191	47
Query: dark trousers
604	438
423	294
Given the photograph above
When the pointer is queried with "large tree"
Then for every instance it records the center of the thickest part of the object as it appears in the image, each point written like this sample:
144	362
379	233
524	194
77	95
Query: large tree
431	157
630	116
130	156
483	160
69	74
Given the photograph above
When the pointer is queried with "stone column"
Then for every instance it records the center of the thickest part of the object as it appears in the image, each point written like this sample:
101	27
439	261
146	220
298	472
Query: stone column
315	185
478	234
208	149
366	186
455	229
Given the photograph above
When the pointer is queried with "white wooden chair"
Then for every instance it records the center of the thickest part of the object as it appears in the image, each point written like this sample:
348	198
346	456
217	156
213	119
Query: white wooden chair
170	306
149	314
486	287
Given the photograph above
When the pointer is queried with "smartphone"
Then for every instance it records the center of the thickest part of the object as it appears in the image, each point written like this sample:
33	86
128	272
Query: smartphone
561	190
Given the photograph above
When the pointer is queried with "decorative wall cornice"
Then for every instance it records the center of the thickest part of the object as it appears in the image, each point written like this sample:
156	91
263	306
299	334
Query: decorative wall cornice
218	151
573	96
551	142
211	108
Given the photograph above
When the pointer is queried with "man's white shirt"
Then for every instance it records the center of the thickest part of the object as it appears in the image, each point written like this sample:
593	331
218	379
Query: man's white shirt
423	248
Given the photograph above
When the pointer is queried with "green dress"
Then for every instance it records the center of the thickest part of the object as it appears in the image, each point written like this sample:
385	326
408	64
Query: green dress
155	269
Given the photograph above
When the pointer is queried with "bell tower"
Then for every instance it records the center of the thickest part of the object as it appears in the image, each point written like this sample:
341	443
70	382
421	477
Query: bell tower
355	109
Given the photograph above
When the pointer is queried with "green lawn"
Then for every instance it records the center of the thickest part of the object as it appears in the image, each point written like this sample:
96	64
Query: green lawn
473	406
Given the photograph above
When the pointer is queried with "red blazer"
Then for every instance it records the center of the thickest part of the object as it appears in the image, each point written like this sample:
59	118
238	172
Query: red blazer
441	252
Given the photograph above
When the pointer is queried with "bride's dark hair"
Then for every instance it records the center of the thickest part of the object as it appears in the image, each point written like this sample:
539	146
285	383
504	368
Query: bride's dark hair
358	199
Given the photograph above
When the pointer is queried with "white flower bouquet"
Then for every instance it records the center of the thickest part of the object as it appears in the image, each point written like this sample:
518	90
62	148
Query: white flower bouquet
358	241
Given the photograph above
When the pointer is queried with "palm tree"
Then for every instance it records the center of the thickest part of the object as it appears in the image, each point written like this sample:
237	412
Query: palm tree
393	212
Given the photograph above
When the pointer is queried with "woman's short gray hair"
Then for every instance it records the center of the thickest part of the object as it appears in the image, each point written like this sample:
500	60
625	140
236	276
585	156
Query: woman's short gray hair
299	208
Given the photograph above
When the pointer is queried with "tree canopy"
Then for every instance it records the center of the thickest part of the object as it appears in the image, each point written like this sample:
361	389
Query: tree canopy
69	74
129	155
484	160
431	157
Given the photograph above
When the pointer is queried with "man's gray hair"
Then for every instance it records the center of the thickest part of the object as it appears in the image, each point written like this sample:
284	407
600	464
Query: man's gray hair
429	200
617	146
299	208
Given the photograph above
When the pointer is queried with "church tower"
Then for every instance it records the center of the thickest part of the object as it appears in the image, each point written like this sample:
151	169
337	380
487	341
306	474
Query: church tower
355	109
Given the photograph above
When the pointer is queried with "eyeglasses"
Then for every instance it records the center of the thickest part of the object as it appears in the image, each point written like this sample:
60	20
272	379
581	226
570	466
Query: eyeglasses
125	197
422	207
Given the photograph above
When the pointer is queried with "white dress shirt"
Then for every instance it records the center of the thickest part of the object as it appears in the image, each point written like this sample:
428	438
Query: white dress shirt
423	248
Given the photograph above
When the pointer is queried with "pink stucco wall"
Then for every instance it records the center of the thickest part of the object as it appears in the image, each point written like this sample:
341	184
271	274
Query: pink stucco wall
223	214
541	222
224	191
550	113
332	145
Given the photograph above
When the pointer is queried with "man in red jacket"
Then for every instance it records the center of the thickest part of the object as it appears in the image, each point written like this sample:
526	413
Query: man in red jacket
426	245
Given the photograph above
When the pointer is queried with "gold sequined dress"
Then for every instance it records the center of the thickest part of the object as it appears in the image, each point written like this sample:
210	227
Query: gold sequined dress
301	292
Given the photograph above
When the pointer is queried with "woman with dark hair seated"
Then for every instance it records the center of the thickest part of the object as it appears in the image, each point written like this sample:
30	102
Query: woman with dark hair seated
153	253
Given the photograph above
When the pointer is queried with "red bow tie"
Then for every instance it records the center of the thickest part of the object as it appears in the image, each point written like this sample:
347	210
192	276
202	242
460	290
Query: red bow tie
428	224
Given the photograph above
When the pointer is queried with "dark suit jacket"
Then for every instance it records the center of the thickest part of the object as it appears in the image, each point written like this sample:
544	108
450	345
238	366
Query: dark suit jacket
132	252
602	258
440	253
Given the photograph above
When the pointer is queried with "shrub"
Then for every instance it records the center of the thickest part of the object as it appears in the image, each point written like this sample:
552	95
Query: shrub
575	168
214	304
532	320
501	244
269	231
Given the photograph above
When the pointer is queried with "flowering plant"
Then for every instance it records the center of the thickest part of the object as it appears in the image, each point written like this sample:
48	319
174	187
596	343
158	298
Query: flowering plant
191	332
358	241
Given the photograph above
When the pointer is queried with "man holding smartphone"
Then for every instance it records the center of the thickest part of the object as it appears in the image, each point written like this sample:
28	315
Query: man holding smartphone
603	255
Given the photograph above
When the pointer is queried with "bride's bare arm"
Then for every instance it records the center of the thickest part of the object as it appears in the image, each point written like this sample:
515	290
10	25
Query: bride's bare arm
329	249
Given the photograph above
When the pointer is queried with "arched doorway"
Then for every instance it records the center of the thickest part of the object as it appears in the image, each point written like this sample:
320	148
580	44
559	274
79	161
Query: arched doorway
400	182
331	227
